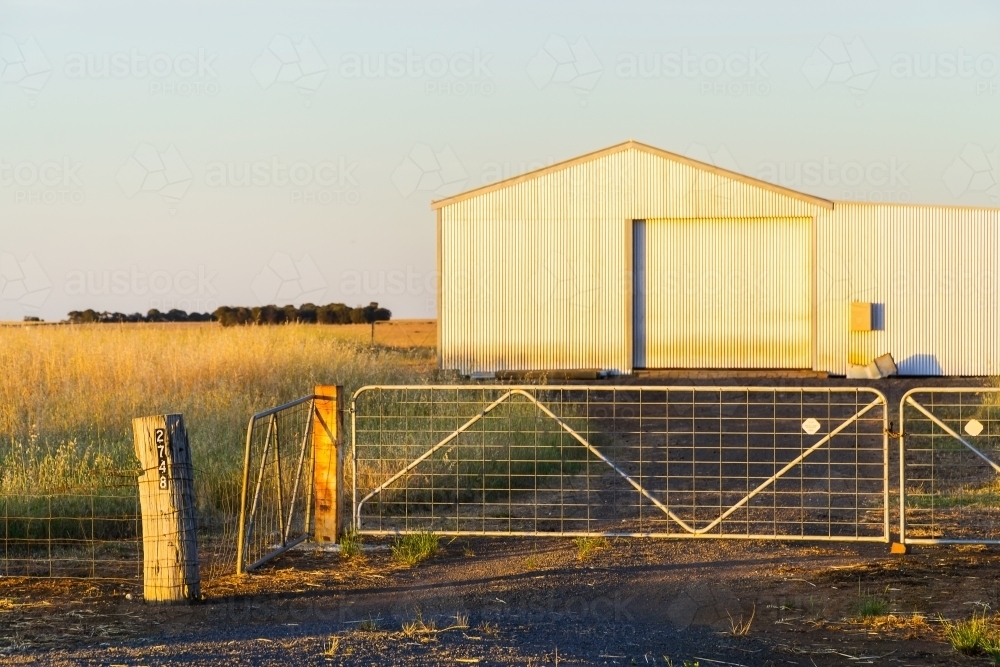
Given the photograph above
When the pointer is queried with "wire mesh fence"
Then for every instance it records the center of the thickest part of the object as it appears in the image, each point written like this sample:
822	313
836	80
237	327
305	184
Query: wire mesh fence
92	529
736	462
950	465
276	498
750	462
72	510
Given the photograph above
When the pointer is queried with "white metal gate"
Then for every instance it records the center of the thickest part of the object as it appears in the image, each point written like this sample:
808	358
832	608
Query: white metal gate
804	463
950	466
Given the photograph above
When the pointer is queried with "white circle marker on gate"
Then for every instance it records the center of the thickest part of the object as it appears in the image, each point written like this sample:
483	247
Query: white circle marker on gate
810	426
974	427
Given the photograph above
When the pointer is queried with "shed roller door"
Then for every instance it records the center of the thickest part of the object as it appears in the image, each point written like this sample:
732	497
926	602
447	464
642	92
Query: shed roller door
723	293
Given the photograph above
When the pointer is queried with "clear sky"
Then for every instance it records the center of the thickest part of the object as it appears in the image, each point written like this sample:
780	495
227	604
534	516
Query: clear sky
192	155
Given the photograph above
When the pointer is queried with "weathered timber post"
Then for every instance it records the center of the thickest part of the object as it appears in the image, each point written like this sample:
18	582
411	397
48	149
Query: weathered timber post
166	493
328	473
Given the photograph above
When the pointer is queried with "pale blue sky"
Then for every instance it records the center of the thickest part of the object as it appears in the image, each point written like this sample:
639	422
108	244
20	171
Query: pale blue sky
842	101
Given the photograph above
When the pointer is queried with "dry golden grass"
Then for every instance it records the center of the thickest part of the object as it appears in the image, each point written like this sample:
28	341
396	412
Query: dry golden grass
69	393
909	626
406	333
589	546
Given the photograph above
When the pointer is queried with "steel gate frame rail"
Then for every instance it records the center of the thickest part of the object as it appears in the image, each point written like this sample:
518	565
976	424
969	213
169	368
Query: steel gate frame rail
246	521
691	532
907	399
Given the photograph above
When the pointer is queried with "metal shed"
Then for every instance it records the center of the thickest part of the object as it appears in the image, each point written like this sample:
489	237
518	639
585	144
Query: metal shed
633	257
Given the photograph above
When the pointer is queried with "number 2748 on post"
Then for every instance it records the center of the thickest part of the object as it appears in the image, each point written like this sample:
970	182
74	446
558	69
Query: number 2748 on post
160	436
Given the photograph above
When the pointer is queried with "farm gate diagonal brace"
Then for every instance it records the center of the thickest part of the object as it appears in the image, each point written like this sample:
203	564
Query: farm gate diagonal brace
291	484
949	466
803	463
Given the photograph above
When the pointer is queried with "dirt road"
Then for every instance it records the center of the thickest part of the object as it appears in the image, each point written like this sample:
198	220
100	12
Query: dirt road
528	602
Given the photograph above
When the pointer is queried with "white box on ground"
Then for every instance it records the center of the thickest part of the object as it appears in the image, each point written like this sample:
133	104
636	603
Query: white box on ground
881	367
886	365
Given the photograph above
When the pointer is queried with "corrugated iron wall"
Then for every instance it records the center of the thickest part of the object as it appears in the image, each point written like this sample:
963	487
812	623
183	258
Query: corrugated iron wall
533	276
728	293
538	275
934	275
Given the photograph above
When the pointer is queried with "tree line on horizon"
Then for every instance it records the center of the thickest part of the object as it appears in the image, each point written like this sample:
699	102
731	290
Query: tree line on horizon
307	313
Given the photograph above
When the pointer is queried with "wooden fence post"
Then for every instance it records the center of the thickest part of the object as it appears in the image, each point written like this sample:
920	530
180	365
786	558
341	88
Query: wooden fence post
166	493
328	450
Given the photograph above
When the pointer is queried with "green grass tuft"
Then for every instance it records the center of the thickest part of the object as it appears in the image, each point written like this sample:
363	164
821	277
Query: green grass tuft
588	546
369	624
991	647
871	606
415	547
971	637
350	543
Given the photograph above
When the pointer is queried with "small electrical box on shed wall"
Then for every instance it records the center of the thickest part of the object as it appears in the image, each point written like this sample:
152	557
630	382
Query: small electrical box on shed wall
861	316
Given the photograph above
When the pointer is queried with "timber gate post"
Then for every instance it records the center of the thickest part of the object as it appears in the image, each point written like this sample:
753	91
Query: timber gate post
328	450
166	494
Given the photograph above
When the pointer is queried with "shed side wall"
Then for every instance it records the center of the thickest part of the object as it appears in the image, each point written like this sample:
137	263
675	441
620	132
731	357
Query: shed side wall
934	275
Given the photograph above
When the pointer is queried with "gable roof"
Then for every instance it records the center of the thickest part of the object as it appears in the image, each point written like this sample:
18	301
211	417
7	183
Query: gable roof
795	194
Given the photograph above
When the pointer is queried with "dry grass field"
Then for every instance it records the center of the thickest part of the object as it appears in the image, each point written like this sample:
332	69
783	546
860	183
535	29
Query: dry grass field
69	392
68	395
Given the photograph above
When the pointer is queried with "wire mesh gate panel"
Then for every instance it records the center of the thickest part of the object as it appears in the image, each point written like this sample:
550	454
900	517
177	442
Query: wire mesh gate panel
736	462
276	499
91	529
950	466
